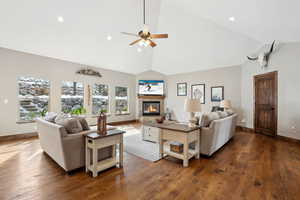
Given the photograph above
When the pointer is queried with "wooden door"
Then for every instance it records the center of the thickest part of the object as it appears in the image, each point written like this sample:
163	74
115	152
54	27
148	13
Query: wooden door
265	98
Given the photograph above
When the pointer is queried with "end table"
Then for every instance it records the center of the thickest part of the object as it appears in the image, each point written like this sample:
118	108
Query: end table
94	142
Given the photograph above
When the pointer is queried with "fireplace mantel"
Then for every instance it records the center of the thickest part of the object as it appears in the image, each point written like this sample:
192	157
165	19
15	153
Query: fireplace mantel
151	97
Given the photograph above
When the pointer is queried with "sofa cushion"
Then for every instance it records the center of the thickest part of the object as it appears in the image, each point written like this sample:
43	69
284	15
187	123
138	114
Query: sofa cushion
208	118
72	125
50	117
222	114
84	124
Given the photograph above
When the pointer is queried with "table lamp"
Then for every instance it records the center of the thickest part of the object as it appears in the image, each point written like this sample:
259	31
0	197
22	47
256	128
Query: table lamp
192	106
226	104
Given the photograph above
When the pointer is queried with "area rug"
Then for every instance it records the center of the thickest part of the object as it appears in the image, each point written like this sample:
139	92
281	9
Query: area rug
134	144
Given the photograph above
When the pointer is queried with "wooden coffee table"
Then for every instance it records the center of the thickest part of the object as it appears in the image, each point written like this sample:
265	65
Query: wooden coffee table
182	133
94	142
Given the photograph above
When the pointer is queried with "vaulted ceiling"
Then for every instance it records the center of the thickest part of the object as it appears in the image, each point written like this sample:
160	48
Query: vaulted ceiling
200	34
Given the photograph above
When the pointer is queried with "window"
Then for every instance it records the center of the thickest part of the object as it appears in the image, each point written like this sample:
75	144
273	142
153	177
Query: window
33	98
100	99
122	100
72	96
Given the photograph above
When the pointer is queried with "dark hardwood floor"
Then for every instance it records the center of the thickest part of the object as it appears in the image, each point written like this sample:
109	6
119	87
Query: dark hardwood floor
250	167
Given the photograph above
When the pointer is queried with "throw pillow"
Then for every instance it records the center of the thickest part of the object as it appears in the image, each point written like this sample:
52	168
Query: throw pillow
71	125
50	117
208	118
230	111
198	117
61	117
213	116
204	120
222	114
84	123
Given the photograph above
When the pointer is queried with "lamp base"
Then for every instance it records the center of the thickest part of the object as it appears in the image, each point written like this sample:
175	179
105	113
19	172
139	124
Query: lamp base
193	120
192	124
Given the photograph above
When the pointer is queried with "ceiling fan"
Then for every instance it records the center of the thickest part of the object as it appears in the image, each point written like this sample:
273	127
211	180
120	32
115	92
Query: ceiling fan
145	37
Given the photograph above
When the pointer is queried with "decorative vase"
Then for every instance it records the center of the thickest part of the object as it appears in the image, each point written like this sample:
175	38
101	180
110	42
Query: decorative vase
101	125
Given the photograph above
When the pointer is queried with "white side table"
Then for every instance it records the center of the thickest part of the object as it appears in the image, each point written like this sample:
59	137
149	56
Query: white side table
94	142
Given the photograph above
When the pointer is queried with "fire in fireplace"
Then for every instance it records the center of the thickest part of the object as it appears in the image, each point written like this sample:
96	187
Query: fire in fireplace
151	108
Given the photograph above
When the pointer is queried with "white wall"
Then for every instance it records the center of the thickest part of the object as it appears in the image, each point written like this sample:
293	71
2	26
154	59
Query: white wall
229	77
14	64
237	81
285	60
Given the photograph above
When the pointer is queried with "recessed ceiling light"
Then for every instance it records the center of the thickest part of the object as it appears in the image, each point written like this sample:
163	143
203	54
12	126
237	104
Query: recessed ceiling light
60	19
231	19
139	49
109	37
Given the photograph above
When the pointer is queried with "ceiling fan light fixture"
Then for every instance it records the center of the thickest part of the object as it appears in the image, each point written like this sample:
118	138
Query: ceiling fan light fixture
141	43
144	43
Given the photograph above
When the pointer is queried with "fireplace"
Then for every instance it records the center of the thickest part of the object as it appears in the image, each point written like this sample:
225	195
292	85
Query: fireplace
151	108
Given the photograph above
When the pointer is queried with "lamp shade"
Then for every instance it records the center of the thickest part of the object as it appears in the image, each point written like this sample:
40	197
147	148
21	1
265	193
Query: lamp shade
192	105
225	104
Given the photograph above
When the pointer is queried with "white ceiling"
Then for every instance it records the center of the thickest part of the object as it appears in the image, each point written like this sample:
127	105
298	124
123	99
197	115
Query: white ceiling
262	20
196	43
32	26
201	36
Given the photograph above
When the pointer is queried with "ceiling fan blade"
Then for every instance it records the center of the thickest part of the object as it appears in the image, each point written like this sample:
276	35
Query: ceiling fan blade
135	42
152	44
131	34
158	36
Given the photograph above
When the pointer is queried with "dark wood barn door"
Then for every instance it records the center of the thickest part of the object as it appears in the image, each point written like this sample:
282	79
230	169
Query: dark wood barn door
265	99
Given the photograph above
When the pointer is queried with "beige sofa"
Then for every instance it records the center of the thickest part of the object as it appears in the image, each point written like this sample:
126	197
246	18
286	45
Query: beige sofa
67	150
218	133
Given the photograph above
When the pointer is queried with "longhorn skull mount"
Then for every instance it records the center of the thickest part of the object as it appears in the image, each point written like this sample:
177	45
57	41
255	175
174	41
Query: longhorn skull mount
263	58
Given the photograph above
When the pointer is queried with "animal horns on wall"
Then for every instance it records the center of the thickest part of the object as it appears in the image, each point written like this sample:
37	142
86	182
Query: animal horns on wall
263	58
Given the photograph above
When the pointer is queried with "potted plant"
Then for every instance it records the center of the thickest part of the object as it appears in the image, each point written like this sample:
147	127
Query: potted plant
78	111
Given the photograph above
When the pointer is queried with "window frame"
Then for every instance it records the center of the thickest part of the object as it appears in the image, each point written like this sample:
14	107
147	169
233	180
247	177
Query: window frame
61	93
19	120
108	95
128	104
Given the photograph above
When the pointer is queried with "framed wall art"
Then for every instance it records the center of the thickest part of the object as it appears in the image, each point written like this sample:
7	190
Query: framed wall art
181	89
217	93
198	92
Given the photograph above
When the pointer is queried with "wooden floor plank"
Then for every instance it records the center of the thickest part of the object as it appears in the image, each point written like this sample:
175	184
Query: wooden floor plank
250	166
